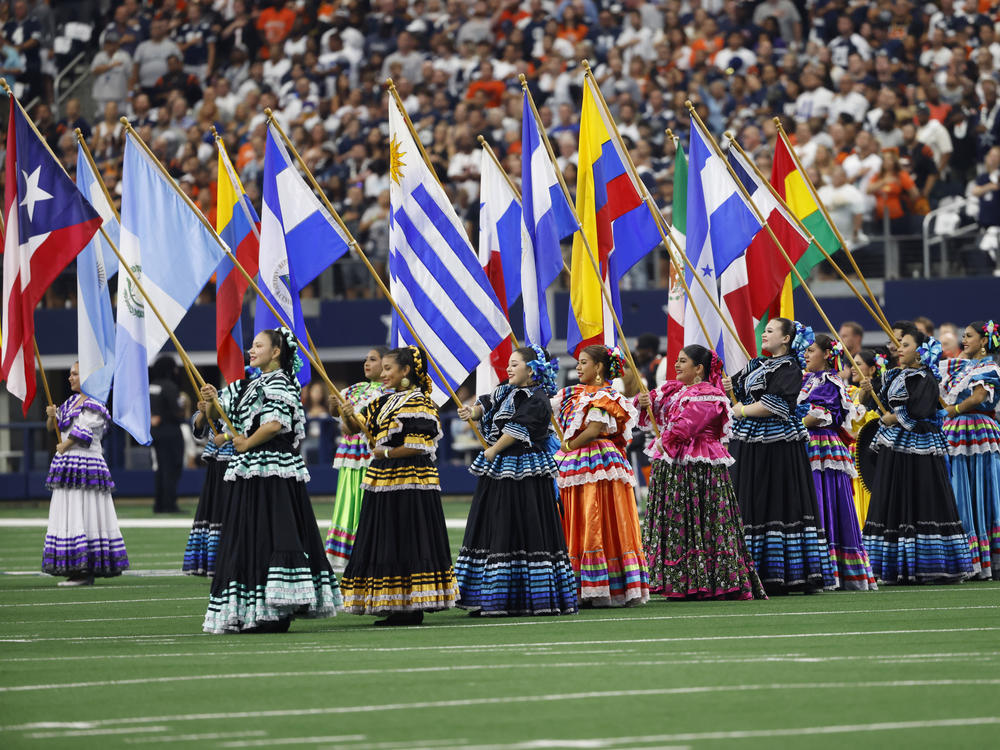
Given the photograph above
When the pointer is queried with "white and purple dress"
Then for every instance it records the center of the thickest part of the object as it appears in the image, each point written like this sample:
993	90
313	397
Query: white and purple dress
83	538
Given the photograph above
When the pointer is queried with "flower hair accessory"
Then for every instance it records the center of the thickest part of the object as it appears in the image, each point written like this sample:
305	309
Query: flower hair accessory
293	347
992	333
543	370
616	364
835	358
803	339
930	353
881	364
715	371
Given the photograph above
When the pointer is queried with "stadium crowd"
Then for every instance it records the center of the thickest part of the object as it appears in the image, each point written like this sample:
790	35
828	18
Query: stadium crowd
892	105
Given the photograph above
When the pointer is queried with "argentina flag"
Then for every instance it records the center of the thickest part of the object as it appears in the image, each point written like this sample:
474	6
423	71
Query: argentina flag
435	276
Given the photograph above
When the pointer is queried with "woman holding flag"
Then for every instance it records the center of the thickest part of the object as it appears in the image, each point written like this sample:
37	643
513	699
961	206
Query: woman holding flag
271	565
597	485
513	559
771	473
830	413
350	461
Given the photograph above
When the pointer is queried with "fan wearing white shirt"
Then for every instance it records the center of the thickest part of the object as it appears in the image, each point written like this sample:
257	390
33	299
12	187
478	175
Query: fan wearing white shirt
846	205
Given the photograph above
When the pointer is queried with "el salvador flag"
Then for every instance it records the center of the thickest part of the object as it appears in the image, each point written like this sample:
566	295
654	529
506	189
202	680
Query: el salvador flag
720	227
435	276
95	265
299	239
173	254
548	218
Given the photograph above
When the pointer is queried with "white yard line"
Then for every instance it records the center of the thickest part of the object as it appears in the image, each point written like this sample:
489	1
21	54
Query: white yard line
194	737
94	732
534	699
105	601
271	741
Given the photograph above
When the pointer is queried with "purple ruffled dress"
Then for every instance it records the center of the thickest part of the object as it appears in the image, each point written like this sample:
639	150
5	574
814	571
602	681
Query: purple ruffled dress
83	538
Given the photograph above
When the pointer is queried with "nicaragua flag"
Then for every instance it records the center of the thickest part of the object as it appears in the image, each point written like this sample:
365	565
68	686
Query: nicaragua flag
548	218
173	254
299	239
237	223
434	274
502	235
619	228
720	226
95	265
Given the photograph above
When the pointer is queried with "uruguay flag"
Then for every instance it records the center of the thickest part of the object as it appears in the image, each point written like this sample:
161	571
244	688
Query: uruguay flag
720	226
548	218
95	265
173	254
435	276
299	239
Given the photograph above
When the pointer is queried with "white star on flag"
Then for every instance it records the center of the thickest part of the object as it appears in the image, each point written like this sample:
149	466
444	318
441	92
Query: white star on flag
32	192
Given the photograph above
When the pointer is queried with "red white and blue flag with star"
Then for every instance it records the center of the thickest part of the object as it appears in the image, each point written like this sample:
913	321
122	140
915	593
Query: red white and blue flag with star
47	222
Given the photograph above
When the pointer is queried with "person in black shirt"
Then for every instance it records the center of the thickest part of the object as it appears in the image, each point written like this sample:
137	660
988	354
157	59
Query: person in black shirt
166	415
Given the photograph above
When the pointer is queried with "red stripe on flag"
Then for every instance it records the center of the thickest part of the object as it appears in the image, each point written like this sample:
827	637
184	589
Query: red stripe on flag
500	356
229	307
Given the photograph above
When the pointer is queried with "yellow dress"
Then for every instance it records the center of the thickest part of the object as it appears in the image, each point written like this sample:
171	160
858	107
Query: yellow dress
862	496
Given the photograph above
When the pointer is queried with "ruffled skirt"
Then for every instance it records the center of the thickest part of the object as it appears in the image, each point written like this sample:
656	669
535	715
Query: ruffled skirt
346	511
693	537
975	480
913	533
781	518
401	561
513	559
271	564
83	538
835	495
206	530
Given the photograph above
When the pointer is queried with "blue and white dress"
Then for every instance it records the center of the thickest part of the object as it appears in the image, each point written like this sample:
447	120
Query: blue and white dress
913	533
974	447
83	538
513	559
206	530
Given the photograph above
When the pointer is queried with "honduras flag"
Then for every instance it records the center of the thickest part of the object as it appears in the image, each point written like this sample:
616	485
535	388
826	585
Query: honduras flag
95	265
434	274
173	254
548	218
299	239
720	227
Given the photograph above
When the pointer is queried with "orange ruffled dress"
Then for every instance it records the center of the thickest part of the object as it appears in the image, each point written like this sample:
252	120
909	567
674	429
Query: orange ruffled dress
597	488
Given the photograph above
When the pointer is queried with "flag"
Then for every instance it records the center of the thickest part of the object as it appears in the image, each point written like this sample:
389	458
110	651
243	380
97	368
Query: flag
173	254
618	228
501	237
792	186
548	218
720	226
47	224
237	223
767	268
95	321
434	274
675	298
299	239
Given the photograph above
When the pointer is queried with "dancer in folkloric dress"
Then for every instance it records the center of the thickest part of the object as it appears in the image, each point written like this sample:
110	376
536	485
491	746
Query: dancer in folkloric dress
82	540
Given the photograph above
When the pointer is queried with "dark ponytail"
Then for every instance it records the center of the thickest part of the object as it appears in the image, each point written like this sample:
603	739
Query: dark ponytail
699	355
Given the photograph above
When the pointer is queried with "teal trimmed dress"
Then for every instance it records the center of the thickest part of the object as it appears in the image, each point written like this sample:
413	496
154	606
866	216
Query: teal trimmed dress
271	563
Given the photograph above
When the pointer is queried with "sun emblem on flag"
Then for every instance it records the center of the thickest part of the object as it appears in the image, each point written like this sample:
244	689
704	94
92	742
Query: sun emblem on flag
132	296
396	162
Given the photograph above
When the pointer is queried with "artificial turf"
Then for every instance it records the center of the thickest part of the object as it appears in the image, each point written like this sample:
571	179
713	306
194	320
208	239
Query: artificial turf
124	664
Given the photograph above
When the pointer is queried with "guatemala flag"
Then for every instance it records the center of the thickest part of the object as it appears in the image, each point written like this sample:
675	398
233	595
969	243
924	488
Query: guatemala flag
548	218
435	276
720	226
173	254
299	239
95	265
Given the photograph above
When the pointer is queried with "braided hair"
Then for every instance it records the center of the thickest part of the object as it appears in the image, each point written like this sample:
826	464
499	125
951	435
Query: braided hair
414	358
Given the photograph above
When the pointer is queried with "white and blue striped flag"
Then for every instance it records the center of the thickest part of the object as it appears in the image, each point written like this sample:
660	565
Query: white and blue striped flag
173	254
435	276
95	265
548	218
299	239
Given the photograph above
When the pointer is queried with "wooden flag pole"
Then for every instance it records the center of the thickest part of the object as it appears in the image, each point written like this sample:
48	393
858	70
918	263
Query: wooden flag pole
826	214
45	386
605	291
809	235
777	243
353	244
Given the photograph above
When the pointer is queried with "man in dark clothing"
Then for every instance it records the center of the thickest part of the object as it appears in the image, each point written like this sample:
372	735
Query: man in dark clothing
166	415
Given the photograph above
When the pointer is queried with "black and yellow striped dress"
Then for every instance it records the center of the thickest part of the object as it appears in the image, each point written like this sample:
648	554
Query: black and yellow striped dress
401	561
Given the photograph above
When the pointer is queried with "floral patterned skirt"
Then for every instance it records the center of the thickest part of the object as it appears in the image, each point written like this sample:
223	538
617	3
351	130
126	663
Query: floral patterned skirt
693	537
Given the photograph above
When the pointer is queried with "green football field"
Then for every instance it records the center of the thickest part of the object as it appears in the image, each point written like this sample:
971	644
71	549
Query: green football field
124	664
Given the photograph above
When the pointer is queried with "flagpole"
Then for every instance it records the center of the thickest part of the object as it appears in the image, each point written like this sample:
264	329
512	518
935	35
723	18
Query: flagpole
605	291
45	385
826	214
760	217
353	243
811	237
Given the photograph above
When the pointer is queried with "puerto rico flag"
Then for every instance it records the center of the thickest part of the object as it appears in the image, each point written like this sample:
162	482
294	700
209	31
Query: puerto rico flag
47	223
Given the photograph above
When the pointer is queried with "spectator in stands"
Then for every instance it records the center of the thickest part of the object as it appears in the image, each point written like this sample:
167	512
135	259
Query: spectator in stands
933	133
177	79
785	14
846	205
25	34
275	22
12	63
925	325
71	120
111	68
918	159
985	190
891	187
852	334
150	60
196	38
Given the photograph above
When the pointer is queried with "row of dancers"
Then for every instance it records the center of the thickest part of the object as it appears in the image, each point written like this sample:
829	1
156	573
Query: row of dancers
747	496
